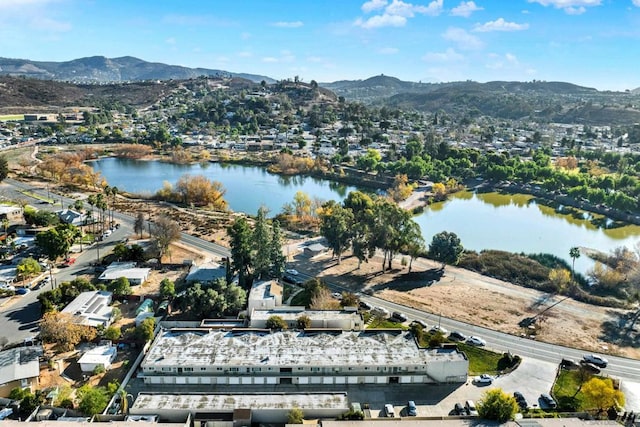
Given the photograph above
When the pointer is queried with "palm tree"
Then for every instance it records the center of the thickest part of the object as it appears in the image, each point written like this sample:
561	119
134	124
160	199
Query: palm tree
5	225
574	253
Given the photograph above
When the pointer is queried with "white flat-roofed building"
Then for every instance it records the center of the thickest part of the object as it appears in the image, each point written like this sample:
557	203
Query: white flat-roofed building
347	319
135	275
100	356
264	295
265	408
313	357
91	308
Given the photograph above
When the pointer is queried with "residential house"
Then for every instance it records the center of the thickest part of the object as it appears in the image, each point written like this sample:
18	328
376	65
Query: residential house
206	273
19	367
98	357
91	308
135	275
69	216
264	295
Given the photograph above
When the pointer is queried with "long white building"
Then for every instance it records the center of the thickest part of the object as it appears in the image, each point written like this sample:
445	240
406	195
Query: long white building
250	356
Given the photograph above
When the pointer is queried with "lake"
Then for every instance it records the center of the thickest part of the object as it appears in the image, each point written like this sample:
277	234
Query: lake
514	223
247	187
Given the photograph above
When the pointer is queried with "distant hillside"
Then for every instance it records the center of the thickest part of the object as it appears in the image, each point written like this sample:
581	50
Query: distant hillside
98	69
539	100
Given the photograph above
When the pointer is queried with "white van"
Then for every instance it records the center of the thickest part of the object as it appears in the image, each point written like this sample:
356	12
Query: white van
471	408
389	411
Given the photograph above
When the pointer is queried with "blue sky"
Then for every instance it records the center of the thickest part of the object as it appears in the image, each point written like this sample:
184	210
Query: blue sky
594	43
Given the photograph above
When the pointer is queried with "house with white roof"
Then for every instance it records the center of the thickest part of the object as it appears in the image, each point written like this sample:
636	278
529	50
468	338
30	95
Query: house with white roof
135	275
91	308
98	357
264	295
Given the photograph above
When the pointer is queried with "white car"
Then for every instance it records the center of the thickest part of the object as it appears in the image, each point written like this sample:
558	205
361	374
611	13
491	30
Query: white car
477	341
292	271
483	379
437	328
337	295
599	361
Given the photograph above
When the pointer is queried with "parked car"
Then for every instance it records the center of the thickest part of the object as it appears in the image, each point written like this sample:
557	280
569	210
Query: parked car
520	399
457	336
22	291
396	315
476	341
380	311
548	401
458	409
568	364
483	379
412	410
337	295
470	407
364	305
389	411
437	328
599	361
290	279
292	271
419	322
590	367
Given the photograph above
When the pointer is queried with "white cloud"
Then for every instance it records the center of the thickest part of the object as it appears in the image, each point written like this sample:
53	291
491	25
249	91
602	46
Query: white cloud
636	2
382	21
171	41
466	8
388	50
315	59
245	54
463	39
500	25
372	5
270	59
288	24
10	4
396	13
449	55
571	7
285	57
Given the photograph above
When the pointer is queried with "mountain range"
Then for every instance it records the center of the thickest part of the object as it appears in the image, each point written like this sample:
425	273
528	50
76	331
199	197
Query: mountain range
98	69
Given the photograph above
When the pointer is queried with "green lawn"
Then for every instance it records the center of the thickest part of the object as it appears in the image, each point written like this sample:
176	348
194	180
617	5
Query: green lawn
303	299
564	390
481	361
8	117
380	323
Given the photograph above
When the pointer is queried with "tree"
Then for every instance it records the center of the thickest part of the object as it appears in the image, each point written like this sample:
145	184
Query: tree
277	258
4	168
93	400
336	224
120	287
261	242
138	225
145	330
559	278
276	323
167	289
446	248
57	241
164	232
574	253
60	328
112	333
497	405
599	394
241	247
303	322
295	416
28	267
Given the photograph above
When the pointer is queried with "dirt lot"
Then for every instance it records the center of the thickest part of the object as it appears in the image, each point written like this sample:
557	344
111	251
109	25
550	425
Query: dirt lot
470	297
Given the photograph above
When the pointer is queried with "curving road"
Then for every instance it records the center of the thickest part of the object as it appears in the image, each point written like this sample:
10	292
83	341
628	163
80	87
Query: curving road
620	367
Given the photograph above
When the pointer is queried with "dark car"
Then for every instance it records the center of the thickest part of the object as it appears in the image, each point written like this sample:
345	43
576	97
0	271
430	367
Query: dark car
520	399
458	409
287	278
548	401
568	364
396	315
590	367
457	336
364	305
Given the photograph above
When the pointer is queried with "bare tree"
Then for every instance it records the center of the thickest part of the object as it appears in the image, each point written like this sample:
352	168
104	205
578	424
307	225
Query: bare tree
163	232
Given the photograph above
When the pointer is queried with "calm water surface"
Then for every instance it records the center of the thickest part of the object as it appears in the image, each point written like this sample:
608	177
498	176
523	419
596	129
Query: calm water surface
514	223
247	187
